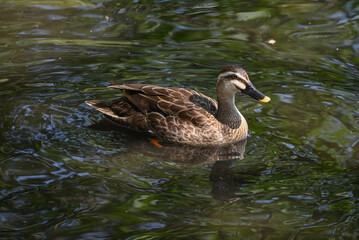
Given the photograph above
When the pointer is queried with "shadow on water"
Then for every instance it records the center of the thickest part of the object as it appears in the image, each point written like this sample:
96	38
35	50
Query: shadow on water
224	181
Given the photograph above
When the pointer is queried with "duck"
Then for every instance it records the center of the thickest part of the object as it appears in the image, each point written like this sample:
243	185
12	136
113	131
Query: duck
182	115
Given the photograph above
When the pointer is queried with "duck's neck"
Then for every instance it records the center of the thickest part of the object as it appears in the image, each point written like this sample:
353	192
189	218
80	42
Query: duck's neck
228	113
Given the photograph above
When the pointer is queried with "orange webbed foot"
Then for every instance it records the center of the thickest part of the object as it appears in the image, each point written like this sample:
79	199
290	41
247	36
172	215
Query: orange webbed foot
156	143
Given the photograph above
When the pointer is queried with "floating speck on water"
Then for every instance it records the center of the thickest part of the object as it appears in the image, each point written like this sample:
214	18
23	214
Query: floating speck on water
271	41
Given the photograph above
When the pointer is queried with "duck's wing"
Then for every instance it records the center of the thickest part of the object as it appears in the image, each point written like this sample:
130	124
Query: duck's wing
175	114
170	101
145	96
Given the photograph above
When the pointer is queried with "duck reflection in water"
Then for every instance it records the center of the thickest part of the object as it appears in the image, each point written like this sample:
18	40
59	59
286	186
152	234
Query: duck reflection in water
225	183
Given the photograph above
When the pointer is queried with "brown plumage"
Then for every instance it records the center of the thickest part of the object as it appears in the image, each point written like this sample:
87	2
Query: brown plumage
181	115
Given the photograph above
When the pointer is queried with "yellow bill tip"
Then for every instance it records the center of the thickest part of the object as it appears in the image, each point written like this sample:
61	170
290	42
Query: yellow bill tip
265	99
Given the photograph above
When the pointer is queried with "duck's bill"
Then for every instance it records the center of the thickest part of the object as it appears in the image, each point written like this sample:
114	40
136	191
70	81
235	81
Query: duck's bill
254	93
265	99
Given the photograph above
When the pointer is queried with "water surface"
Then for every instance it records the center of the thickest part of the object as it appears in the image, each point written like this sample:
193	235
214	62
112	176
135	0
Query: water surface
62	177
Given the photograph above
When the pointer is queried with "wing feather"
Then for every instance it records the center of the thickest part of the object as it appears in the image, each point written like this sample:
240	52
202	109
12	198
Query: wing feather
175	114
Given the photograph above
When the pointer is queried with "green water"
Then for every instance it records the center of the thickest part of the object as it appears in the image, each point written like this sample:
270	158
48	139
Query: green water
62	177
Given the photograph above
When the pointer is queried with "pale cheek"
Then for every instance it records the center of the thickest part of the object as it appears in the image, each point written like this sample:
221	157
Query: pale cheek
240	85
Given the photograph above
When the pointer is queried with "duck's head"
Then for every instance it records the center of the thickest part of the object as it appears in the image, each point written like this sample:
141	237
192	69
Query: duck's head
234	79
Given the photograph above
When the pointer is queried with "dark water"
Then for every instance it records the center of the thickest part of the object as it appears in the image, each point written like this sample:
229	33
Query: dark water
61	179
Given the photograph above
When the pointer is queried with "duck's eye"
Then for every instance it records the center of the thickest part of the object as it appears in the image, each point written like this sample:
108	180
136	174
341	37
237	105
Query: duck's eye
234	76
